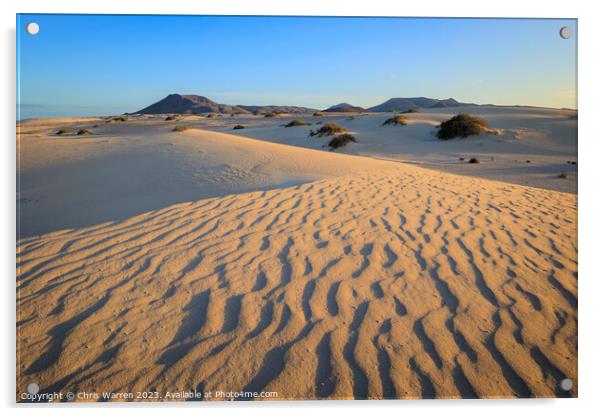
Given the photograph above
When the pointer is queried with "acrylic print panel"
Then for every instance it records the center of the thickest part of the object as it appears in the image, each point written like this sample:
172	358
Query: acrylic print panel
279	208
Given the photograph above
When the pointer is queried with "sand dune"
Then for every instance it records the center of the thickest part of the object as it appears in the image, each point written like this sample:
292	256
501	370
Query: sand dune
390	282
546	138
125	169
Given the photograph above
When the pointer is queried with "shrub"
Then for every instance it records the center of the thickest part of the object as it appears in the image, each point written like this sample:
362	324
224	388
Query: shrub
61	132
409	111
318	114
272	115
350	118
238	127
171	118
341	140
84	131
462	125
211	115
296	122
563	175
328	129
473	160
396	120
179	128
121	118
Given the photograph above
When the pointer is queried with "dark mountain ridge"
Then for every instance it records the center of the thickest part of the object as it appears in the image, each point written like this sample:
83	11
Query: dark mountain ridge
197	104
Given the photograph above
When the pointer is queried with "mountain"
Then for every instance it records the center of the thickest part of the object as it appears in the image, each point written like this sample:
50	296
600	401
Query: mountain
403	104
189	104
197	104
291	109
344	108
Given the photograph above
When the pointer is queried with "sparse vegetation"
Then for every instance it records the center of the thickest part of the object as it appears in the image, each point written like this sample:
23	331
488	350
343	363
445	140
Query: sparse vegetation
396	120
179	128
121	118
409	111
318	114
462	125
84	131
211	115
473	160
171	118
341	140
238	127
461	158
328	129
296	122
61	132
563	175
272	115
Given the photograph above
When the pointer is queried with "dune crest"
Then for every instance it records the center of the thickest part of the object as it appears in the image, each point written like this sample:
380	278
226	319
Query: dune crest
395	283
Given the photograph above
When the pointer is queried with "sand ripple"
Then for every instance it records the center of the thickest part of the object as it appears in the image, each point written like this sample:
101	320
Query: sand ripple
403	283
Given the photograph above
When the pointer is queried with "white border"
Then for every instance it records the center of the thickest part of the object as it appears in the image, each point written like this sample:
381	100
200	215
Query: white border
590	214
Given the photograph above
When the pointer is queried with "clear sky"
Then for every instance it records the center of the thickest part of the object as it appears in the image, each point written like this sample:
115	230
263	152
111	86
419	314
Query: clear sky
98	65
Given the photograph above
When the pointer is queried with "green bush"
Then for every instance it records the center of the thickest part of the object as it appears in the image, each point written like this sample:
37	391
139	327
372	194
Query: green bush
473	160
396	120
328	129
462	125
238	127
341	140
296	122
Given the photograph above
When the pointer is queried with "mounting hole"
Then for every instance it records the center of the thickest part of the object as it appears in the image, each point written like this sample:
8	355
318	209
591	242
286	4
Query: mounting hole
33	388
566	384
32	28
565	32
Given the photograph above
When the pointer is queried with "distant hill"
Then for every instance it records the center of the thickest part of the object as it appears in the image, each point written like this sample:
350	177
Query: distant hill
344	108
197	104
189	104
416	103
277	109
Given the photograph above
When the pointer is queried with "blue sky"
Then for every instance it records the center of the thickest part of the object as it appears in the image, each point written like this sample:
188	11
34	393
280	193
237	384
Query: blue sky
97	65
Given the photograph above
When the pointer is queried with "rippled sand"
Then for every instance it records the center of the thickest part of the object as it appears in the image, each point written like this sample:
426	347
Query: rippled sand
397	282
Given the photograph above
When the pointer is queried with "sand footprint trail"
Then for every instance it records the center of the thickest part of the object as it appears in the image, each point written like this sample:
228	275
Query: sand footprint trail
400	283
